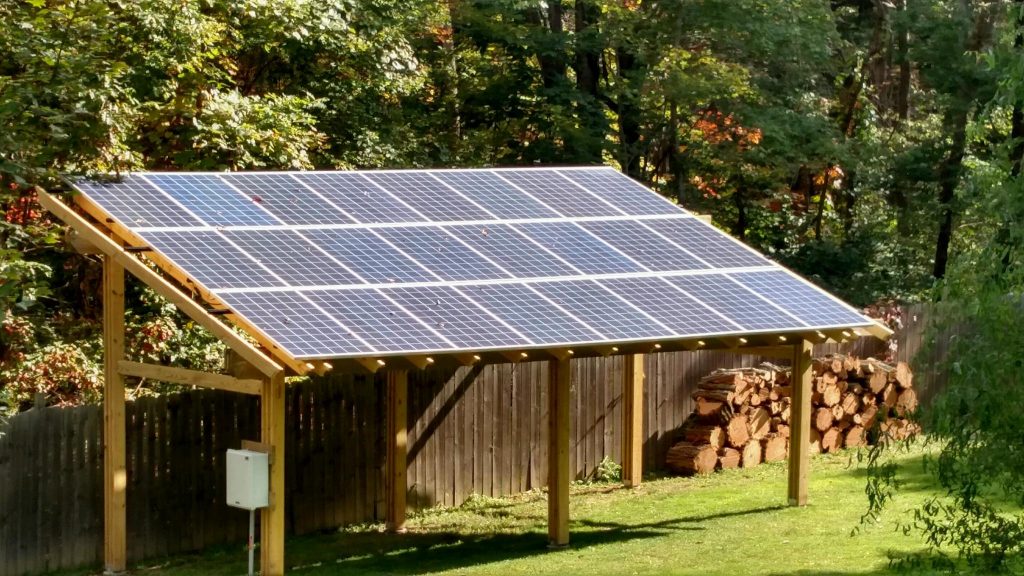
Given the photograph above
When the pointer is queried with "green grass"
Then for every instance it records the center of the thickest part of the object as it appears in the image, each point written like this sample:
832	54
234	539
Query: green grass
731	523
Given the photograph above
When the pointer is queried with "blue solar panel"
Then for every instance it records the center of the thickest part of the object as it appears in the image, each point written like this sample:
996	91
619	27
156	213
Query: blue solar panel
601	310
213	200
339	264
517	254
534	317
442	253
683	315
369	256
361	199
295	324
641	244
378	321
578	247
211	260
453	316
805	302
429	196
620	190
709	243
136	203
293	258
496	195
732	300
558	193
286	198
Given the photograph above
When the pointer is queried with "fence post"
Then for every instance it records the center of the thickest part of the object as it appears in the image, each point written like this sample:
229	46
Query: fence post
632	419
559	374
272	427
115	475
800	424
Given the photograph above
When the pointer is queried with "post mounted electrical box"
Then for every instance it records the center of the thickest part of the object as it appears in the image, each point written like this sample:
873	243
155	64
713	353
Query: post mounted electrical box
248	482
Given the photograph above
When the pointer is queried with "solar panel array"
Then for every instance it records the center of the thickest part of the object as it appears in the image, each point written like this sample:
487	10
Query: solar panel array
351	264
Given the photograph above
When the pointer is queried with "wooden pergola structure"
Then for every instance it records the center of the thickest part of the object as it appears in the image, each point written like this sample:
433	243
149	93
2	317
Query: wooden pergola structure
259	368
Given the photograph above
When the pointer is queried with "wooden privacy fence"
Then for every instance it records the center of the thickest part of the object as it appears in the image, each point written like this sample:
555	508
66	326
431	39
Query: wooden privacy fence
474	430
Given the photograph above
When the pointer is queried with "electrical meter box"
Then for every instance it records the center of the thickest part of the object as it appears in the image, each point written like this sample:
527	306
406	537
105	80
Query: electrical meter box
248	485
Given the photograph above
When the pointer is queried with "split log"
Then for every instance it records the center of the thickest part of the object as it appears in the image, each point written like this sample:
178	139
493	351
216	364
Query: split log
737	432
856	388
877	382
904	377
754	399
723	396
751	454
814	446
855	437
764	394
823	419
831	395
890	395
707	408
838	412
906	402
690	458
740	398
729	458
850	403
831	440
699	435
759	423
780	392
729	382
774	449
783	431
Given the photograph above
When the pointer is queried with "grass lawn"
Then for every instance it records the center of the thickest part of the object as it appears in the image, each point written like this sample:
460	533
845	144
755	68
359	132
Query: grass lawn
732	523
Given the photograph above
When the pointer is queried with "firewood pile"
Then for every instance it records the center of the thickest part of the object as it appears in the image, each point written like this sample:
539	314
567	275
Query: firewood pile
742	415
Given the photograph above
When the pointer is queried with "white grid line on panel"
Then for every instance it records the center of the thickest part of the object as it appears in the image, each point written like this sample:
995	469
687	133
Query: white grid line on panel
762	298
463	196
599	169
456	283
325	199
588	192
248	199
416	318
703	303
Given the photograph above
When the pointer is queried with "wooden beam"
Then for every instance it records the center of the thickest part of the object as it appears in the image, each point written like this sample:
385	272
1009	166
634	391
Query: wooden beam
190	377
632	419
397	450
115	472
800	424
766	351
559	376
158	283
272	518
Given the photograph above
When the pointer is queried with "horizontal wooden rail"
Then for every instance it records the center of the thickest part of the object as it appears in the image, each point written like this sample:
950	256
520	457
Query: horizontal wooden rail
188	377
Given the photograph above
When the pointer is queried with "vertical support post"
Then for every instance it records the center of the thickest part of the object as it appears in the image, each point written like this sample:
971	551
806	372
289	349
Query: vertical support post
559	374
397	449
632	419
272	428
800	419
115	473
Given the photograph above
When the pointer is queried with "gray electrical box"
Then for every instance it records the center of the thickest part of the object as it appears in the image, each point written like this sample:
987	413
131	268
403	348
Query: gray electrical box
248	481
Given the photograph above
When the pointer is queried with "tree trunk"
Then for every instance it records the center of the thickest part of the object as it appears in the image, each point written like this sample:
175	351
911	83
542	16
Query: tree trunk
587	66
629	112
949	179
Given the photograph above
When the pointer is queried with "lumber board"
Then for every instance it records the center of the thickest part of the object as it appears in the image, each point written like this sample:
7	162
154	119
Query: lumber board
187	377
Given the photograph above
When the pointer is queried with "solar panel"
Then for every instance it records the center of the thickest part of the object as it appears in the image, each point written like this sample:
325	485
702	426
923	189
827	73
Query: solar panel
356	264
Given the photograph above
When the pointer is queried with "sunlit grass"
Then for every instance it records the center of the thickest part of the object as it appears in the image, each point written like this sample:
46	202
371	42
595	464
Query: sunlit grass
731	523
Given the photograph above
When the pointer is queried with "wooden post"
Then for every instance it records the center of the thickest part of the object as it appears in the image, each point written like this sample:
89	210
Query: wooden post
272	426
397	449
632	419
115	473
800	424
558	453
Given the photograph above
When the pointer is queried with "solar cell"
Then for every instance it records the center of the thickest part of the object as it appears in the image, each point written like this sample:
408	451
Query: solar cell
736	302
429	196
211	260
558	193
534	317
601	310
212	199
286	198
711	244
578	247
456	318
517	254
805	302
620	191
641	244
136	203
295	324
441	253
369	256
496	195
291	257
358	197
684	315
378	321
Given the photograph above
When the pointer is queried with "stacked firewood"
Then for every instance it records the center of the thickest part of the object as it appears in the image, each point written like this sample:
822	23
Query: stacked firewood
742	416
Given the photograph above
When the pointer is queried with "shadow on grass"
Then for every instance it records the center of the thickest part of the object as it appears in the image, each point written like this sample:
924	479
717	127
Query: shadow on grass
420	552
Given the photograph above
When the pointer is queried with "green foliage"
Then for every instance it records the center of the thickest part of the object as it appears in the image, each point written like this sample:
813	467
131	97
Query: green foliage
607	471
